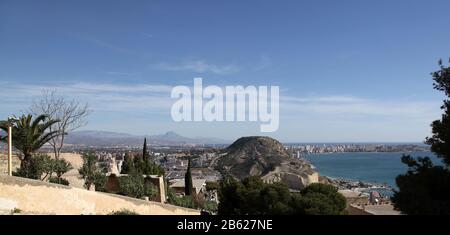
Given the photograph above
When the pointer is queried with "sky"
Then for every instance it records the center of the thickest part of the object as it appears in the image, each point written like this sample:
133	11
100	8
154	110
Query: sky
348	71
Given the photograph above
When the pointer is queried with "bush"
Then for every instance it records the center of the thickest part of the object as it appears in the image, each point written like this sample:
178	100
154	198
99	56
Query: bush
123	212
57	180
211	186
60	167
42	167
322	199
38	165
194	201
139	164
210	207
254	197
91	174
183	201
16	211
100	181
134	185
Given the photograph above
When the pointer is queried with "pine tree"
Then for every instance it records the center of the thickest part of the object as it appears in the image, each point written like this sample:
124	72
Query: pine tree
440	141
425	188
188	180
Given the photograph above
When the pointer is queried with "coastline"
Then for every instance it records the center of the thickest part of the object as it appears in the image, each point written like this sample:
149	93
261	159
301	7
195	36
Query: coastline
357	185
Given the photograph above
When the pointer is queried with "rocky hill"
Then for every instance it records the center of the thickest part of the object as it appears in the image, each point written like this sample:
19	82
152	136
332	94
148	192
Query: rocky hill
266	157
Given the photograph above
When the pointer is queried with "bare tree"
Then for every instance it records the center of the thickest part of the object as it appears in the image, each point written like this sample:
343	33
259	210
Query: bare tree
71	113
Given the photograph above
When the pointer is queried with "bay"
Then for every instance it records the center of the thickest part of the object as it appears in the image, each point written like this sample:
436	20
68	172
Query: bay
373	167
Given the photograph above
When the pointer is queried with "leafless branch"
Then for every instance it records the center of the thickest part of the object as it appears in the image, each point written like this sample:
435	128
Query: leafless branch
71	113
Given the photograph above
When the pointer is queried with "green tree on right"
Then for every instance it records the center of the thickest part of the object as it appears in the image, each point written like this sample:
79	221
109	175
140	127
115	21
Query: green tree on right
425	188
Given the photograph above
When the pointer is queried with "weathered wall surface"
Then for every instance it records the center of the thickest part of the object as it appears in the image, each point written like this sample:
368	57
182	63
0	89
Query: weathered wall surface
37	197
4	163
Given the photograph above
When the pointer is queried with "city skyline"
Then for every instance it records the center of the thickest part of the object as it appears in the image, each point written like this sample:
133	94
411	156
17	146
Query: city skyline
347	72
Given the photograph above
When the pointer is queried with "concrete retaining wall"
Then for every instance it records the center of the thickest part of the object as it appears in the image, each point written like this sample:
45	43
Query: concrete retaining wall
37	197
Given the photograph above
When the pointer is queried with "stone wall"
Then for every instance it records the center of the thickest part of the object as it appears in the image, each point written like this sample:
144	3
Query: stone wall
4	163
37	197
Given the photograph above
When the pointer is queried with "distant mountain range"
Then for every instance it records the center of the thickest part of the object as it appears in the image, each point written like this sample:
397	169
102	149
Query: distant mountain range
107	138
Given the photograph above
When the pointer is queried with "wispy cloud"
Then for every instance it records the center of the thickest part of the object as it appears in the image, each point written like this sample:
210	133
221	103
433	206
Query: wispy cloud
348	107
198	66
313	118
104	44
84	88
141	95
100	96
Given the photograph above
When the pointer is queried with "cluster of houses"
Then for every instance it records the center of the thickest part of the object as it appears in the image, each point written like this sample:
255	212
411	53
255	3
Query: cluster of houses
175	165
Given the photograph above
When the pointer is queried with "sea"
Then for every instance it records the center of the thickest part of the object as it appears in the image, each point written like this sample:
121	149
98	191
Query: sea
372	167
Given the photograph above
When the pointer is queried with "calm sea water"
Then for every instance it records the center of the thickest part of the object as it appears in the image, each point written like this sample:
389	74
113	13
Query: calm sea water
370	167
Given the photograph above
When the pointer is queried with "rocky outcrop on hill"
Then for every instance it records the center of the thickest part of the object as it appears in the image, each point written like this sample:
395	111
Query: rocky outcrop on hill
267	158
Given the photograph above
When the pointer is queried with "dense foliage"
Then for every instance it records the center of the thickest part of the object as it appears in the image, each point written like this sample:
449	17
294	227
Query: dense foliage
123	212
136	168
140	164
183	201
135	185
194	201
252	196
212	185
43	167
57	180
90	172
425	188
319	199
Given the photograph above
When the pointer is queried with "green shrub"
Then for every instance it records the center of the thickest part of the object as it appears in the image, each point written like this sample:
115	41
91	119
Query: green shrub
211	186
16	211
183	201
123	212
57	180
91	174
135	185
252	196
42	167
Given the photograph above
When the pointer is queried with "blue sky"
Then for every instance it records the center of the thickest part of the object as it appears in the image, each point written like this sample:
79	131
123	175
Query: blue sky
347	70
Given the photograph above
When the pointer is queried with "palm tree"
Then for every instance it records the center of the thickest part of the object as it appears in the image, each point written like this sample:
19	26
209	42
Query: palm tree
29	135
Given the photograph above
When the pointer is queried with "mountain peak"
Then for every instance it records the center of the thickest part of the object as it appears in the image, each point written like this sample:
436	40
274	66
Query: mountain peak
172	133
97	138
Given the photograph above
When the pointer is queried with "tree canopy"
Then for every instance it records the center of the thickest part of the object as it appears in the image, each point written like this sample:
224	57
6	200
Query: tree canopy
425	188
252	196
91	174
141	163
